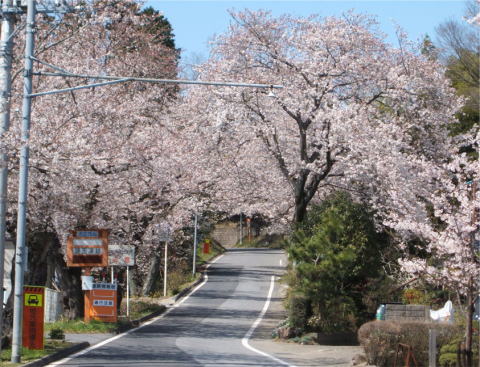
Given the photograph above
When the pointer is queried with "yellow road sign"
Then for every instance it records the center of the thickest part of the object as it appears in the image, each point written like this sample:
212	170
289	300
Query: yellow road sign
33	299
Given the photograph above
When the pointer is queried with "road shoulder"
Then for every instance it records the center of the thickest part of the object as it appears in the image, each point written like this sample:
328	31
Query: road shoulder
294	353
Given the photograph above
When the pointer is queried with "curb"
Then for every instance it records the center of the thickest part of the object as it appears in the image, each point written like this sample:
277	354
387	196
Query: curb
187	290
138	322
57	355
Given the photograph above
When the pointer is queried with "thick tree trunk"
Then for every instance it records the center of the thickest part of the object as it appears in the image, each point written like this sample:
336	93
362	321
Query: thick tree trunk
73	300
47	267
300	210
152	276
41	250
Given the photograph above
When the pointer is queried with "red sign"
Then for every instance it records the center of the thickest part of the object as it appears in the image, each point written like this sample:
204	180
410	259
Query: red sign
33	314
101	302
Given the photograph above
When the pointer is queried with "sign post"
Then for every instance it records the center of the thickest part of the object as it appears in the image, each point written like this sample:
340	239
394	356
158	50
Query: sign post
33	313
164	233
122	256
128	292
165	270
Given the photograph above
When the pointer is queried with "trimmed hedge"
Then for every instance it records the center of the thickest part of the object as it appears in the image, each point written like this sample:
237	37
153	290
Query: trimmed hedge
380	339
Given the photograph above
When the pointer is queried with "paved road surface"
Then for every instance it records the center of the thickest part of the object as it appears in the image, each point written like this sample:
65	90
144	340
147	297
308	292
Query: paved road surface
211	327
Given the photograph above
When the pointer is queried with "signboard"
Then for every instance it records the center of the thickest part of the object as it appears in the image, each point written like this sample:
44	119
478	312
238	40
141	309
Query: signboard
121	255
7	270
163	232
33	316
87	248
101	302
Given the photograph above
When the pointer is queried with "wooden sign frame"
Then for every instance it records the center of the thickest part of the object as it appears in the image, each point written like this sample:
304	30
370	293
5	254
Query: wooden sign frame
88	248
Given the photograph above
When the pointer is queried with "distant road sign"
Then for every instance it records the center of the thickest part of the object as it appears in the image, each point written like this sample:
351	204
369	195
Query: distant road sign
121	255
163	232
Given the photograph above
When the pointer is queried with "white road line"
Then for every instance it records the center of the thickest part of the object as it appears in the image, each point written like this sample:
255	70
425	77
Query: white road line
113	338
281	262
249	333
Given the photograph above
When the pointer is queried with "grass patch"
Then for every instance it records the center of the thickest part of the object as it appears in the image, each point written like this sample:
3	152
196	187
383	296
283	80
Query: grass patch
51	346
80	327
139	308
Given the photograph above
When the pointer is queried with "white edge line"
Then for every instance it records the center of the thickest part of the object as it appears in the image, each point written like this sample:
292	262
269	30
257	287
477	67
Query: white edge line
249	333
113	338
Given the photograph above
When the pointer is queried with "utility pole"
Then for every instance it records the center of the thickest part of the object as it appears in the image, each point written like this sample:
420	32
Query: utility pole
23	185
165	270
194	266
241	229
6	49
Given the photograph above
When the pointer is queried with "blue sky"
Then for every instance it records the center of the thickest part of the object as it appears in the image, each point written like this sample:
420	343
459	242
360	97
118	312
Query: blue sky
194	22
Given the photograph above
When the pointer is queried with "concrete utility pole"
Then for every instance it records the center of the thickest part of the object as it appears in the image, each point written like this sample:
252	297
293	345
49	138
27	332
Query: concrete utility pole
6	47
23	185
194	266
241	229
165	270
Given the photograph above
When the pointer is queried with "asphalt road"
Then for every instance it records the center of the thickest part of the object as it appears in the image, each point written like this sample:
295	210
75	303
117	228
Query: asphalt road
211	327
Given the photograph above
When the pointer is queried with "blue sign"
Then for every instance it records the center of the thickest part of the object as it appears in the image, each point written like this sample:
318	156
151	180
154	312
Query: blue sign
87	234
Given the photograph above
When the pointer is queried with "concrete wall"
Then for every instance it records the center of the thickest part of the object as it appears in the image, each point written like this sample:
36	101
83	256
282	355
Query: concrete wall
395	312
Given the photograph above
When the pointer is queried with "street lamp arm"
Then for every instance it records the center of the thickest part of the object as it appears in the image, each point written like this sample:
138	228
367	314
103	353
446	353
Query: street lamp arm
53	67
164	81
57	91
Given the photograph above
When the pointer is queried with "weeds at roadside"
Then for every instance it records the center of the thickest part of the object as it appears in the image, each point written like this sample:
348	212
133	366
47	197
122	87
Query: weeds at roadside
51	346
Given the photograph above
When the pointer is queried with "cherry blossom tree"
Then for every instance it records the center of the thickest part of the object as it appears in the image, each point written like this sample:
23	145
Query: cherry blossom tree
346	95
101	157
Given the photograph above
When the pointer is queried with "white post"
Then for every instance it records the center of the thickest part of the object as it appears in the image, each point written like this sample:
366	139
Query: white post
195	246
432	348
165	270
111	274
128	292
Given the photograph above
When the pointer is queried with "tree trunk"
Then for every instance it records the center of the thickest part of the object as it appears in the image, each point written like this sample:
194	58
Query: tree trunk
73	300
152	276
300	210
47	267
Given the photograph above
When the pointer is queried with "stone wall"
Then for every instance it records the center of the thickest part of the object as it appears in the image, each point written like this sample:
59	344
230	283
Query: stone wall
397	312
227	234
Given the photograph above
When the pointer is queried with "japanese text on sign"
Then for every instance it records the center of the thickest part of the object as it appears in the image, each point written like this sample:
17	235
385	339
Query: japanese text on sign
111	286
121	255
88	234
87	250
103	302
87	242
